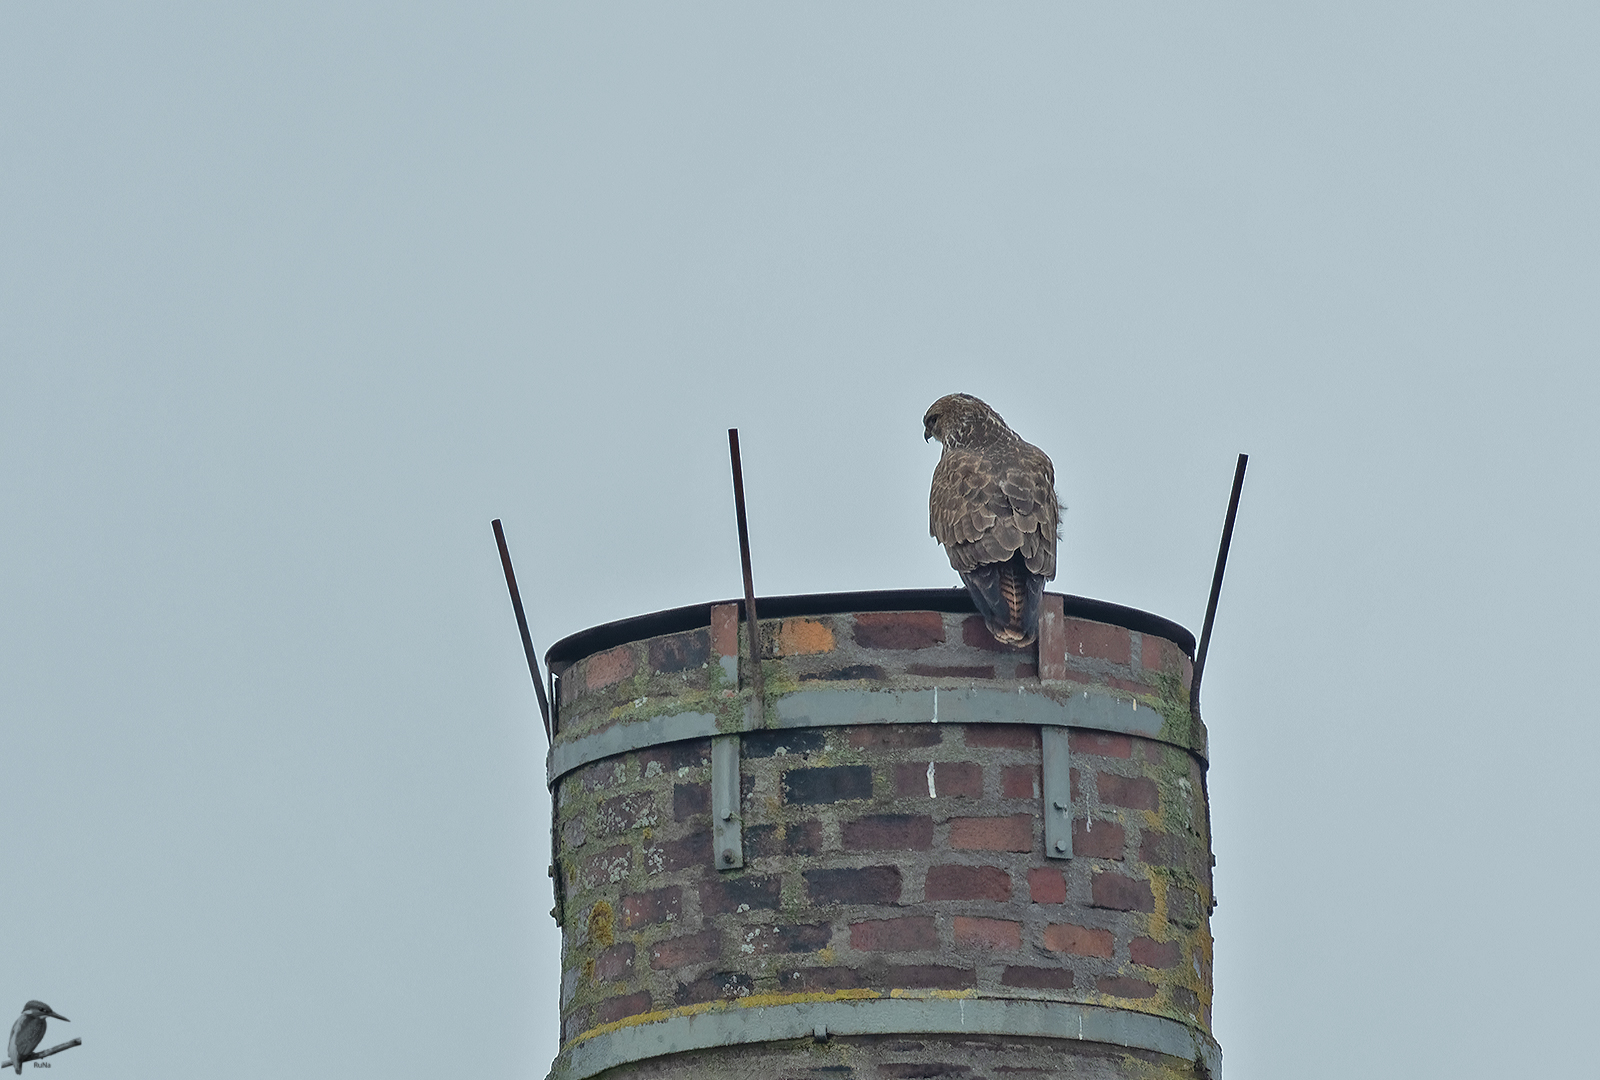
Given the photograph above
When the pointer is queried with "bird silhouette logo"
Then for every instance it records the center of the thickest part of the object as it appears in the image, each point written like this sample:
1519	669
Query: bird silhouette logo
28	1032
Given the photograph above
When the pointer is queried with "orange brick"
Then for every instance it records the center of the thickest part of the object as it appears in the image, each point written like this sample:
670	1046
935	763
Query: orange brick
611	666
987	933
1085	639
725	629
1079	940
1014	833
802	637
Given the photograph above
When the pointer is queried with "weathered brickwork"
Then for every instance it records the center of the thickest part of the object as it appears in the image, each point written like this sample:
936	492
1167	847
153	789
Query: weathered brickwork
883	857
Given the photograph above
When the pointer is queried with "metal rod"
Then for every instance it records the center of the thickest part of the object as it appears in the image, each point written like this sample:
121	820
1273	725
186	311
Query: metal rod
749	582
522	626
1216	583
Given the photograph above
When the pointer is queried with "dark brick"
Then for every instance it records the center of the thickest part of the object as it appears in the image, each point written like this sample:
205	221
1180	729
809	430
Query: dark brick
1134	792
1186	999
914	934
899	629
1121	893
1165	849
1099	641
1183	906
1124	986
786	938
967	883
679	652
725	895
717	986
870	885
686	951
606	868
670	757
931	1070
1014	833
604	774
1027	671
952	671
829	784
1003	736
800	838
614	963
1105	841
894	736
975	634
951	779
648	908
1047	886
889	832
1152	953
691	801
846	674
626	813
1079	940
765	744
620	1008
1037	978
1019	782
670	855
820	978
922	976
986	933
1100	744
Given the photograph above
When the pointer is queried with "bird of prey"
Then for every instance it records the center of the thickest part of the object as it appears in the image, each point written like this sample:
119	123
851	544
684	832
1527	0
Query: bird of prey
994	508
28	1031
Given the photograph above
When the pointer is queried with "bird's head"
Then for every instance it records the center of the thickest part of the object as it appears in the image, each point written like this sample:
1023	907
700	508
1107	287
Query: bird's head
956	419
39	1008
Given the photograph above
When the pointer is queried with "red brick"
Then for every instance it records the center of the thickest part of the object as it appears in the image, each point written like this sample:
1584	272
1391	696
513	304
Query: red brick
1079	940
1027	671
1134	792
820	978
686	951
894	736
913	934
716	986
1003	736
620	1008
1035	978
889	832
670	855
1158	654
797	838
648	908
1098	640
1047	886
1019	782
1105	841
1100	744
869	885
1014	833
724	895
1124	986
951	671
691	801
975	634
1120	893
951	780
1152	953
967	883
725	629
614	963
611	666
680	652
899	629
987	933
787	938
606	868
922	976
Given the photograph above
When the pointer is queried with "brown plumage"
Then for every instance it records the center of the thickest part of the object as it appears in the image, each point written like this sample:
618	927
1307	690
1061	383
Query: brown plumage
993	506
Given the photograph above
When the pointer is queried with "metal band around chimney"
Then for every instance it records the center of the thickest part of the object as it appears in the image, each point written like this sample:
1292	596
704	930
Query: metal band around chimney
735	1025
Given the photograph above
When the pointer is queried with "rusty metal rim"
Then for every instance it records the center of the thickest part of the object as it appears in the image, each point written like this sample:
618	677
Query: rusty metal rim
574	647
843	708
1006	1017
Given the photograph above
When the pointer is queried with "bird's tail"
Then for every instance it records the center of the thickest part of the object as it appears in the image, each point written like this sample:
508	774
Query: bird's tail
1008	596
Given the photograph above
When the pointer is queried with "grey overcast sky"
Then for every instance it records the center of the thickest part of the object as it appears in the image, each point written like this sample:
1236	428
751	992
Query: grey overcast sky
295	298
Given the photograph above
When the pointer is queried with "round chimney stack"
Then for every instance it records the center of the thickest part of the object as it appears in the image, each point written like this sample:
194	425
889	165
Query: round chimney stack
923	854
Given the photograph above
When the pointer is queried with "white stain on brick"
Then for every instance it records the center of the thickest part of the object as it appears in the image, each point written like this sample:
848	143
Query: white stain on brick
932	794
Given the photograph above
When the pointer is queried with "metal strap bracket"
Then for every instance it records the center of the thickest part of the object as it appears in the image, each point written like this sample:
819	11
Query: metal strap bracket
727	826
1057	793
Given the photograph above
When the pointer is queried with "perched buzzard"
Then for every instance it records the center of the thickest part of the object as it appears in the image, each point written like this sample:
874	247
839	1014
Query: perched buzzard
993	507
